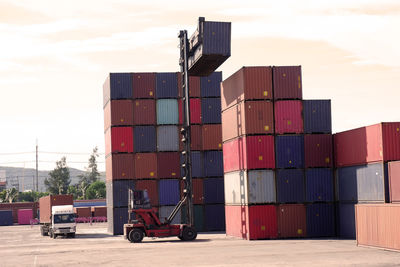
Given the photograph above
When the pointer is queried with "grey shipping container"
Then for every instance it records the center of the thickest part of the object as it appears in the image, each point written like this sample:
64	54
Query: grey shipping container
165	211
117	192
167	138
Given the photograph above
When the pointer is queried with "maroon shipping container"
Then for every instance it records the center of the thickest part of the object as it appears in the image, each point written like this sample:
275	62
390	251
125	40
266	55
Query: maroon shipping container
250	117
121	140
15	206
212	137
247	83
251	222
318	150
45	204
195	111
145	165
144	112
168	165
151	187
289	117
99	211
292	220
144	85
194	86
120	166
249	152
287	82
197	189
378	142
394	181
85	212
118	113
196	138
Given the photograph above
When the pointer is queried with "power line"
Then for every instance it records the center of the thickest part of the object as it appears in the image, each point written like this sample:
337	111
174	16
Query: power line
68	153
16	153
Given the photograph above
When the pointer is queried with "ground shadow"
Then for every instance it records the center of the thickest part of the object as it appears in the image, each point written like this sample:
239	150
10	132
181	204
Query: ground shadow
160	240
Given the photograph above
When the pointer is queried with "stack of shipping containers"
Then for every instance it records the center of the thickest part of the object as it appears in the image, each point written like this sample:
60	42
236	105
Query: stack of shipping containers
278	166
143	114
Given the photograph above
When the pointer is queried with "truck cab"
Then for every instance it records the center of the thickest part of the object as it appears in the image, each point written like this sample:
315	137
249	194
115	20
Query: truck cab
62	221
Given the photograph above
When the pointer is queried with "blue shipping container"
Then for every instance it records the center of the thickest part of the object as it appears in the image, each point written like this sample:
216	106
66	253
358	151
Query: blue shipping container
167	111
121	85
215	217
290	185
346	220
6	217
319	185
210	85
144	139
166	85
289	151
169	191
167	138
213	190
211	110
213	164
117	192
317	116
320	220
116	218
197	164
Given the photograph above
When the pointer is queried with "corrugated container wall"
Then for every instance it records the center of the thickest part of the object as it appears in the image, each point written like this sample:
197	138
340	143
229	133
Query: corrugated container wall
210	85
287	82
168	164
198	217
116	218
167	138
213	164
391	140
394	181
346	220
317	116
6	217
319	185
320	220
215	217
167	111
292	220
290	186
168	191
194	86
214	190
288	117
146	165
121	139
289	151
195	111
117	192
198	190
144	85
25	216
210	110
117	86
120	166
318	150
152	189
211	137
144	112
166	85
118	113
144	139
197	164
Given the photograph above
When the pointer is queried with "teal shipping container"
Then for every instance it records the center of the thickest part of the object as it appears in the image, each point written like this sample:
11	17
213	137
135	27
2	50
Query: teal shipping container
167	111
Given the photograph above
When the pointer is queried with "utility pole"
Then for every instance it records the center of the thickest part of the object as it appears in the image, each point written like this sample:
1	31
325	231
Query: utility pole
37	170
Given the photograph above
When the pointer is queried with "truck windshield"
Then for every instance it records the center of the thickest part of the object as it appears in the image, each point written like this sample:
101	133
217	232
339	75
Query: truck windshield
64	218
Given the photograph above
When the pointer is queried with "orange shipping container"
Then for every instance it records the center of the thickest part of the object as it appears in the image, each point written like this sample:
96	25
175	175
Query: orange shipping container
120	166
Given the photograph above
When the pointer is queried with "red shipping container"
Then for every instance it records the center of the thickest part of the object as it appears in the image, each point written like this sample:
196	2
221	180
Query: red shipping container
84	212
25	216
194	86
121	139
118	113
151	187
145	165
289	117
250	117
46	202
247	83
212	137
292	220
318	150
197	189
249	152
144	85
99	211
195	111
168	165
120	166
251	222
391	140
394	181
287	82
144	112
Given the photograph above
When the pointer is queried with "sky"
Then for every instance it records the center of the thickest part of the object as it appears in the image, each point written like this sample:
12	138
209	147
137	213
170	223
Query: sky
56	55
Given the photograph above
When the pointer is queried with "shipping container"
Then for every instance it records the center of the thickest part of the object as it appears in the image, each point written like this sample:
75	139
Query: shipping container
144	85
251	152
117	86
195	111
165	211
99	211
151	187
363	183
15	206
25	216
394	181
318	150
197	164
120	166
166	85
167	138
287	82
118	113
198	215
210	110
213	164
121	139
83	212
377	225
145	165
194	86
168	164
289	117
292	220
144	112
289	151
319	185
89	202
290	186
211	137
317	116
391	141
213	46
145	139
46	202
210	85
195	138
116	218
214	190
245	84
117	192
346	220
214	217
321	220
167	111
6	217
251	222
197	190
168	190
247	118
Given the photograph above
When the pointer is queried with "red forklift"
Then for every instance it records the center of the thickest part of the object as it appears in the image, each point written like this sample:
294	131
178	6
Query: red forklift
206	50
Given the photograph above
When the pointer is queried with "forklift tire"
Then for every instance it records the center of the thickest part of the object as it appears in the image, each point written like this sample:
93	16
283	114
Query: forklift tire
136	236
189	233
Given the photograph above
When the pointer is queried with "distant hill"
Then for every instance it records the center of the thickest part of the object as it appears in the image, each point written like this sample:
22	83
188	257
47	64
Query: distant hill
24	176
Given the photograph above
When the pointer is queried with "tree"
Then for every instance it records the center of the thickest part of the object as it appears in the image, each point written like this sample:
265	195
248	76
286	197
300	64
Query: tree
59	179
96	190
73	190
92	174
11	195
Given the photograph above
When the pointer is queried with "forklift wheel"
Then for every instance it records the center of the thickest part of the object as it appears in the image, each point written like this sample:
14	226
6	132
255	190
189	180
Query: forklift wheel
135	236
189	233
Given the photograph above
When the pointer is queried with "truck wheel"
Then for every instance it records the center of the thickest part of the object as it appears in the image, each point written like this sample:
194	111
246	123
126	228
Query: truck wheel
136	236
189	233
41	231
72	235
